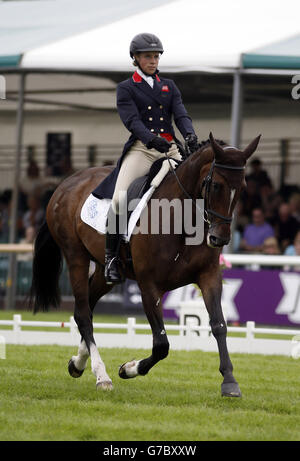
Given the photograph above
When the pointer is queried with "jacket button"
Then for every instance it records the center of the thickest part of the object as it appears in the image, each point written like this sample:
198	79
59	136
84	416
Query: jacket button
162	130
149	107
150	118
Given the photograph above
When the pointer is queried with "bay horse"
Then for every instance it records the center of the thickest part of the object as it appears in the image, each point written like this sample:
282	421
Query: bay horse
215	172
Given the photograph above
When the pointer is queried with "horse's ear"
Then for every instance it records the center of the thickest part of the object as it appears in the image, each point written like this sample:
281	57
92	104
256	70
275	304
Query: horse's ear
216	147
251	148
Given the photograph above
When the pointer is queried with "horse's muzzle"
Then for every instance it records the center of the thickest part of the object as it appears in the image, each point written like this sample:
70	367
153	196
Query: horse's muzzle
216	242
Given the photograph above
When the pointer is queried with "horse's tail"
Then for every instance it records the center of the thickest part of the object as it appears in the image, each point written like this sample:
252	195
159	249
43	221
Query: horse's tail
46	270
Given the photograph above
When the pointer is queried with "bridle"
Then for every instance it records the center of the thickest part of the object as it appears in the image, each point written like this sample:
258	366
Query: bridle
207	184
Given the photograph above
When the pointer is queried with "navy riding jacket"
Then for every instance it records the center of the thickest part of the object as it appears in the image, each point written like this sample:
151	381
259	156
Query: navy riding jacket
147	112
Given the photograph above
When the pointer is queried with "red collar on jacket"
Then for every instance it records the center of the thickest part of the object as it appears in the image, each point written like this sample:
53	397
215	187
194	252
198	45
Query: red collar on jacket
137	78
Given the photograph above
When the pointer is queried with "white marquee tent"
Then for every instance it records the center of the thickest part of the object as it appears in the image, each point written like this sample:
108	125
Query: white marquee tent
224	36
198	35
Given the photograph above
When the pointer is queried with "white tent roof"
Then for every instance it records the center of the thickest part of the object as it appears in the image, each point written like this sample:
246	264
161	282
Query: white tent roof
197	35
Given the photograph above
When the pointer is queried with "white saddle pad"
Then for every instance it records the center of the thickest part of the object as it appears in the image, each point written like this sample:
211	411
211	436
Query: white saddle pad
94	212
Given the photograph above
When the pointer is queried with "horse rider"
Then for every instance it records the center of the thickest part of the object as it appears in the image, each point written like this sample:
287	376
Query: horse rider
146	103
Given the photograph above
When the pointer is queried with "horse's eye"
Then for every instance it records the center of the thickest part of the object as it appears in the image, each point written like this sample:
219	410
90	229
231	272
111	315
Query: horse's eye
216	186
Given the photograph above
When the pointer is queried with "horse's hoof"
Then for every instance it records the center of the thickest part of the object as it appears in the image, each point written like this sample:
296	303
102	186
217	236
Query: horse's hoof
230	390
74	372
129	369
104	385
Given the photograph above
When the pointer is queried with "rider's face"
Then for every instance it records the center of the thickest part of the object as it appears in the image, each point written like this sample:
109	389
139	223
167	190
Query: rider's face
148	61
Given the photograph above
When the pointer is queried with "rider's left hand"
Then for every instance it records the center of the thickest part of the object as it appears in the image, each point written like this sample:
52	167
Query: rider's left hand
192	142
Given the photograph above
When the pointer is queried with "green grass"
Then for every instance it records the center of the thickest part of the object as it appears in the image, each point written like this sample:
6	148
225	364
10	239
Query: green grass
179	400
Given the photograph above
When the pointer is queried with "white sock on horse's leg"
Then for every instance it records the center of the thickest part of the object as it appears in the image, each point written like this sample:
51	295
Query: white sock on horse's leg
80	360
98	368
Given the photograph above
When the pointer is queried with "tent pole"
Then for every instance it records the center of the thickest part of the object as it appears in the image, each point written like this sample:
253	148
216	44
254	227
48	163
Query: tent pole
11	283
236	109
236	128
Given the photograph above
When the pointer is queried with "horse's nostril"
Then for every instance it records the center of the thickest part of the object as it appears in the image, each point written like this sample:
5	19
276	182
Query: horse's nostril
216	241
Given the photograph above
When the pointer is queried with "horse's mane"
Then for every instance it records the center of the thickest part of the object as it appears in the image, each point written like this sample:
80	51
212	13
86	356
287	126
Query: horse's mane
203	145
207	142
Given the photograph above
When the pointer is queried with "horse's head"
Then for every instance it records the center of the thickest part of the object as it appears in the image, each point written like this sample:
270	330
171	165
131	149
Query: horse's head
221	183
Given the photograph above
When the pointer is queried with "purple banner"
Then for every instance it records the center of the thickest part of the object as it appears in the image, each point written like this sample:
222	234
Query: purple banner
267	297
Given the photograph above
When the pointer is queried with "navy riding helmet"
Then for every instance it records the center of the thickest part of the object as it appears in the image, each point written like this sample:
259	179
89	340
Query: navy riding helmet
145	42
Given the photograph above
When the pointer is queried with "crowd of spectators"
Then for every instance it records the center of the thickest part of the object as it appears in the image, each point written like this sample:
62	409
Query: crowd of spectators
35	191
267	220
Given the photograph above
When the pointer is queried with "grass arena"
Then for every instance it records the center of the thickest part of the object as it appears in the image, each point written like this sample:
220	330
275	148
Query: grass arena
179	400
134	160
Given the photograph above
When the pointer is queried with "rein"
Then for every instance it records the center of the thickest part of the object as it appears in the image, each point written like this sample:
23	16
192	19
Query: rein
206	183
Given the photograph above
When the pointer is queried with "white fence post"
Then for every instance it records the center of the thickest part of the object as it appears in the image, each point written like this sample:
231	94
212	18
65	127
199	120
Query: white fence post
131	322
250	327
73	328
17	327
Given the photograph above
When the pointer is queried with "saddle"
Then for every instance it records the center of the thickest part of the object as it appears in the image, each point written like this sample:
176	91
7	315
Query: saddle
154	177
94	211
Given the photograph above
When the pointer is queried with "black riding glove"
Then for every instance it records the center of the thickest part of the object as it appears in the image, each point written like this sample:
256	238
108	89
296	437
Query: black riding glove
192	142
160	144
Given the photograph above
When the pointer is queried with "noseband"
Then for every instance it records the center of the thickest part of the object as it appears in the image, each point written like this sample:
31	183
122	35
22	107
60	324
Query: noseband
207	183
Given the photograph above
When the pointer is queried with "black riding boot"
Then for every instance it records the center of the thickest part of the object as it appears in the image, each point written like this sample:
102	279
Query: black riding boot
111	271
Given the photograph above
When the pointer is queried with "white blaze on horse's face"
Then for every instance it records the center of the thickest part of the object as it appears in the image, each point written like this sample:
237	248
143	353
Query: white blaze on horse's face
232	194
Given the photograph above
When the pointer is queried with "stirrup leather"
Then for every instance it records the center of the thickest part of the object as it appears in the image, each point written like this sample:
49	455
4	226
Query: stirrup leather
111	271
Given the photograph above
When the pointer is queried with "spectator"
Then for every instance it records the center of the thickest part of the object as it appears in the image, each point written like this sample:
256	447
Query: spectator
32	181
294	202
255	234
65	166
286	226
270	200
294	249
271	246
5	201
257	174
30	234
35	215
250	199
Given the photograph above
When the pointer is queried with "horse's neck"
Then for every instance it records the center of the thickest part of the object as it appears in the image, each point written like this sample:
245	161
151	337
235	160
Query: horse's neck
190	170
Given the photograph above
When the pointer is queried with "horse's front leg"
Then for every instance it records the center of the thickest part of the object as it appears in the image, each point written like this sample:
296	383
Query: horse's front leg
153	309
211	288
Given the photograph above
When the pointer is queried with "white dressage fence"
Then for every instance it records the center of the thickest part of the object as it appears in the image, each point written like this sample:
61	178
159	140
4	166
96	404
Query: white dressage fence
188	337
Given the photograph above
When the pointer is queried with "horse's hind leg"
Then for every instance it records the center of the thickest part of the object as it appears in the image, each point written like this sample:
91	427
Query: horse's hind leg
97	288
153	309
78	268
211	290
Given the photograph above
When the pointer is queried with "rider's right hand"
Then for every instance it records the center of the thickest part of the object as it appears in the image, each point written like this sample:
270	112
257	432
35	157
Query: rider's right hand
160	144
